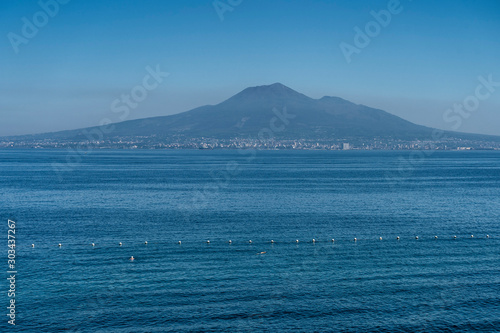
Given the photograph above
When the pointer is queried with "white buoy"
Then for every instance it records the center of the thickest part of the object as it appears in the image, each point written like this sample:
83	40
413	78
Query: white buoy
250	242
296	241
146	242
32	245
120	243
487	236
230	242
272	241
454	237
471	236
93	244
208	242
397	238
314	241
333	240
355	239
380	238
60	244
416	237
435	237
179	242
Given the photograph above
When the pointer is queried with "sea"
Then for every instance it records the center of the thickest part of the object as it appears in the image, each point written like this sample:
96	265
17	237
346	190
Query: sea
250	240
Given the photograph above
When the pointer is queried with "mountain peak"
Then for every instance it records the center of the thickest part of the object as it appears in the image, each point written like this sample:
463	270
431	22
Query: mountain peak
275	92
333	99
253	109
275	87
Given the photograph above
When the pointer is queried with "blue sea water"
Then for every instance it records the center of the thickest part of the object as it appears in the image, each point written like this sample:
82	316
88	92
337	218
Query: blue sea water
162	197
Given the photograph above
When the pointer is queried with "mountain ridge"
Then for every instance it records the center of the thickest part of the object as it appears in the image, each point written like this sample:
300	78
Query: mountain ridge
246	113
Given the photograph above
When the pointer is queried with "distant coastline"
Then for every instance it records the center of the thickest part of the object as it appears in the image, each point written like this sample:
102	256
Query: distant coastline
235	144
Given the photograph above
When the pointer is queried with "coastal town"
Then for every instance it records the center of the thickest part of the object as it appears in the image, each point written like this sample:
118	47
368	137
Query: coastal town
154	142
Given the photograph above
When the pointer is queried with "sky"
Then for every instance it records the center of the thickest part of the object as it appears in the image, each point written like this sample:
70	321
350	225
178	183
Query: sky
69	64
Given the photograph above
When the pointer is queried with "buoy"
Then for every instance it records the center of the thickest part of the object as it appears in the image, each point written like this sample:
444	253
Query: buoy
250	241
230	242
60	244
32	245
272	241
435	237
355	239
93	244
397	238
296	241
333	240
179	242
208	242
146	242
487	236
120	243
416	237
380	238
454	237
471	236
314	241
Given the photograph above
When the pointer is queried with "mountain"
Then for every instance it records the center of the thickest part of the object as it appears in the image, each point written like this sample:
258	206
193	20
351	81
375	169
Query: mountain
275	109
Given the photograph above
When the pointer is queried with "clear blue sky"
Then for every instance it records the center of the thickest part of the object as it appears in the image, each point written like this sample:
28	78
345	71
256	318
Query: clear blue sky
91	52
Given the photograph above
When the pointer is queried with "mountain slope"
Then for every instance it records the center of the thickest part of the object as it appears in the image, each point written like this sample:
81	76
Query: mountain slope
247	113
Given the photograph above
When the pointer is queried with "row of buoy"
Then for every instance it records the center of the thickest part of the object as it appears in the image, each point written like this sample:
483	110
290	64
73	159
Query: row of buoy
273	242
